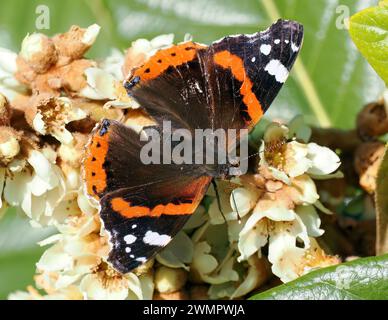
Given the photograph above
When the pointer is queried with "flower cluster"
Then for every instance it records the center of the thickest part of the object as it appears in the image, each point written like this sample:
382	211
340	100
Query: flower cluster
51	98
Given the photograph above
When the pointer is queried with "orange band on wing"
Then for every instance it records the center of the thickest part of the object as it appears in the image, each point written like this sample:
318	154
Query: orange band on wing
226	60
126	209
170	57
95	174
195	193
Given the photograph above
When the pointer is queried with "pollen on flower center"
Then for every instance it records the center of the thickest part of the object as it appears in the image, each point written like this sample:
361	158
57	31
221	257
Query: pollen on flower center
110	278
274	152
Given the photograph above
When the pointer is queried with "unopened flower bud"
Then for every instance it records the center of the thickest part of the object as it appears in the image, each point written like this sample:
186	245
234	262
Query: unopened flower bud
39	52
169	280
372	121
367	162
73	44
177	295
9	144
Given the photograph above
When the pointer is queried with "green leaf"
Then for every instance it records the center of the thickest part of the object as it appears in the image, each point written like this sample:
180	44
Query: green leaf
329	84
361	279
381	197
18	252
369	31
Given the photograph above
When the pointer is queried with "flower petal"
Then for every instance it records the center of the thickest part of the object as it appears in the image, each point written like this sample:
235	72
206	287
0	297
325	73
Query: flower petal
242	200
93	288
311	220
324	161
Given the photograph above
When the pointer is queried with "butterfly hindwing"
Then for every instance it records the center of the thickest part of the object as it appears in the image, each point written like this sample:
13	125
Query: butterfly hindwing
143	220
155	198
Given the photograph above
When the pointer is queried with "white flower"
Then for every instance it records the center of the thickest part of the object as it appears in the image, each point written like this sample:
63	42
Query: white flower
52	116
257	229
310	219
208	267
55	259
113	64
203	261
102	287
283	252
323	160
178	253
37	189
90	34
291	159
102	85
296	161
149	48
105	82
9	86
242	200
258	273
168	280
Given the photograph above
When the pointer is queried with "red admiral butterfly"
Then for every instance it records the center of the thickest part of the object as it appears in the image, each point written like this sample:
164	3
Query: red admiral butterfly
227	85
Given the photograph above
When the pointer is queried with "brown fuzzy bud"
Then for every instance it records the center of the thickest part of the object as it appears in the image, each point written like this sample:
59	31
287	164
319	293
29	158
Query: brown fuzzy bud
5	111
73	44
372	121
24	74
367	161
9	144
73	75
38	51
169	280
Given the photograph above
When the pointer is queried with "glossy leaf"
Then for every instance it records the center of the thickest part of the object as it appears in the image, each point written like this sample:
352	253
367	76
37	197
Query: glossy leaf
369	31
382	206
361	279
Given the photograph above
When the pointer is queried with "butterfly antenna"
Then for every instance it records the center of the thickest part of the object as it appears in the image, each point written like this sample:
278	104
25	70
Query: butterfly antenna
218	198
235	205
250	156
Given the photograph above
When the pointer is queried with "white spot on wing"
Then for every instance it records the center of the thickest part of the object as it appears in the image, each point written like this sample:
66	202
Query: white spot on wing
134	226
127	249
278	70
129	238
141	259
277	41
156	239
253	59
265	49
131	256
287	41
294	47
